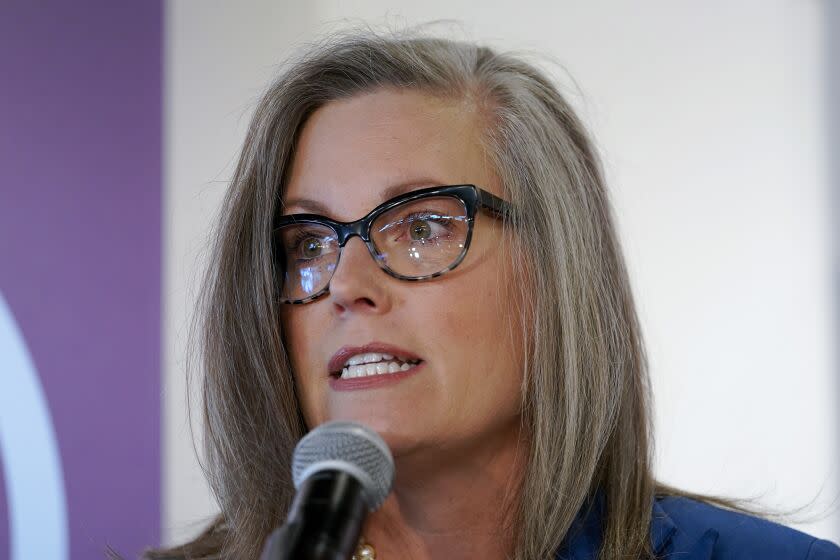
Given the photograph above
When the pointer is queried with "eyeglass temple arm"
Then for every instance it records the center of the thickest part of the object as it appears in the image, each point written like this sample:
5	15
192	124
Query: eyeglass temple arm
496	205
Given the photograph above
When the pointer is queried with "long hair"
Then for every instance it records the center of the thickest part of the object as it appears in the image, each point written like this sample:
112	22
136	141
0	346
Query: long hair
585	396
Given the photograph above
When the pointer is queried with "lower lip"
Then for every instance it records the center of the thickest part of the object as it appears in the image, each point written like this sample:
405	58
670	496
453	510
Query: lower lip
372	381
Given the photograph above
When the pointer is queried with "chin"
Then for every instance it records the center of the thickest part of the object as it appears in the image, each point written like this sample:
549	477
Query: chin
399	437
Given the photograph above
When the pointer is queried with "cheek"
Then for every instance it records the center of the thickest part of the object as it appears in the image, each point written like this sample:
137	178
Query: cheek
481	326
299	345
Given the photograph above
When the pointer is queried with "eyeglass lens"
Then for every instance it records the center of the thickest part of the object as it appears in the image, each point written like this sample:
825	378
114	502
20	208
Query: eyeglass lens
415	239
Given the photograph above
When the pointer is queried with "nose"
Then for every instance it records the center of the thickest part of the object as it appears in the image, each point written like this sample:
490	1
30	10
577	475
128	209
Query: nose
358	285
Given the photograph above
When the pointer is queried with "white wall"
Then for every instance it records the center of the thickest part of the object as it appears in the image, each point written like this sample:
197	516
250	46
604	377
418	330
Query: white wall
711	120
219	57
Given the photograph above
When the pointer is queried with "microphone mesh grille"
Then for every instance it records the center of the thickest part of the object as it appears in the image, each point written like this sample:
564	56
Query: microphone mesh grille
357	447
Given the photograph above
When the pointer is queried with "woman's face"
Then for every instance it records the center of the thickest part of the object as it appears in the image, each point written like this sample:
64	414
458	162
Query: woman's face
352	155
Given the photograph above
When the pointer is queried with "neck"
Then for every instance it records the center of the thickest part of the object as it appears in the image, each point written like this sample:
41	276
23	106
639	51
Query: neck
453	503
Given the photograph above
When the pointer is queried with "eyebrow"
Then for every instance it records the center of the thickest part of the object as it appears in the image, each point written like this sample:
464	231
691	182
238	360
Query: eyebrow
390	192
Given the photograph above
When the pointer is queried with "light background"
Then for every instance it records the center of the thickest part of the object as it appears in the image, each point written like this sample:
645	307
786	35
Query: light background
712	120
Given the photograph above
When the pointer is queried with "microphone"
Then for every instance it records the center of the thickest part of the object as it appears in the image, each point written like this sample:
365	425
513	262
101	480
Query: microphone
342	471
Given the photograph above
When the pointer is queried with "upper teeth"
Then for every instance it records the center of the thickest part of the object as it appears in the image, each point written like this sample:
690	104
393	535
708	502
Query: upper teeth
369	358
374	363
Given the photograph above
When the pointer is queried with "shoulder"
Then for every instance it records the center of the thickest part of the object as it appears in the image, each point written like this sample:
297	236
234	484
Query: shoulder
700	531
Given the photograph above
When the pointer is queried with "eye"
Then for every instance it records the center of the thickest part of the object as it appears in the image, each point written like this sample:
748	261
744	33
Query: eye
311	247
426	227
308	244
420	230
425	222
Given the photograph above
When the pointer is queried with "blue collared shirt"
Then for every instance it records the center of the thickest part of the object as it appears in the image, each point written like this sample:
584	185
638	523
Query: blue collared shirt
686	529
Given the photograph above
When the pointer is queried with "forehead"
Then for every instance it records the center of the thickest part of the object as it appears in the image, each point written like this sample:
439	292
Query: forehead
354	153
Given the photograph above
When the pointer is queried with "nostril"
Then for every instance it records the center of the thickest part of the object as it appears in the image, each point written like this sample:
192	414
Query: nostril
356	304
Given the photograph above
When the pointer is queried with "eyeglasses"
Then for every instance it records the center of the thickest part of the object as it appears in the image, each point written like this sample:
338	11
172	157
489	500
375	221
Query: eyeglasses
414	236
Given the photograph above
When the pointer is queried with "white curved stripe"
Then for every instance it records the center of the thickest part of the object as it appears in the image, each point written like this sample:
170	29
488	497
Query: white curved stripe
31	462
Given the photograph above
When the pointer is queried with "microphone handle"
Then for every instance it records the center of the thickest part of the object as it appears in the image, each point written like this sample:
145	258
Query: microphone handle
325	520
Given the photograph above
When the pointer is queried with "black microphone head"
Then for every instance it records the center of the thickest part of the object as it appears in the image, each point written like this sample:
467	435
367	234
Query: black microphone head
348	447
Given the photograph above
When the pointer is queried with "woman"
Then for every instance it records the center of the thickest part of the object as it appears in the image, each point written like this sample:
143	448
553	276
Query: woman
482	276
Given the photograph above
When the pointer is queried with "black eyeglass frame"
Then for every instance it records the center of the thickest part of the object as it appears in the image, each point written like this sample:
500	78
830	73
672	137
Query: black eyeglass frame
471	196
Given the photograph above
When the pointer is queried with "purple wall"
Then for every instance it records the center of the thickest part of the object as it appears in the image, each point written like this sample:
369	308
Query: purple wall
80	249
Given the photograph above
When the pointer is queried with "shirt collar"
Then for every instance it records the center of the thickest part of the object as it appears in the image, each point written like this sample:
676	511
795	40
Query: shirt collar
583	540
662	528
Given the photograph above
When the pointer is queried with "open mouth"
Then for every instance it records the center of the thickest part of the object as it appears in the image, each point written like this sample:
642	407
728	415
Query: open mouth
374	363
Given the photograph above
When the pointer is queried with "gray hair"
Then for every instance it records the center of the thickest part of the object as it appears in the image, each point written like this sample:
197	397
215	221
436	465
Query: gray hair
585	396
